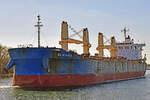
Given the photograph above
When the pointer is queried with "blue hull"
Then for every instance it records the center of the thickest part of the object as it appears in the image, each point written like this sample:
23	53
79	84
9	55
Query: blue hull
44	61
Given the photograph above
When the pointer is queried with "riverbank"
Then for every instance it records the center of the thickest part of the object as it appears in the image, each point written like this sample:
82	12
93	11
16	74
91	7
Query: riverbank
2	76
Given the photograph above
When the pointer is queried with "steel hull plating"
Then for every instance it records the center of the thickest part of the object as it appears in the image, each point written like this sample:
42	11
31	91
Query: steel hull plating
54	67
71	80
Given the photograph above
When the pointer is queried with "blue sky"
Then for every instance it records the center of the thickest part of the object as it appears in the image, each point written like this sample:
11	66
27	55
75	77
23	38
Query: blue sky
18	17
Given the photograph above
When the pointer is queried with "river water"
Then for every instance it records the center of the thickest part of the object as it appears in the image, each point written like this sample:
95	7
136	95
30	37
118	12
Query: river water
137	89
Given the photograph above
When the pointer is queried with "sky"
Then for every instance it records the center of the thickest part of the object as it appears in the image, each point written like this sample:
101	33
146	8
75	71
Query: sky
18	17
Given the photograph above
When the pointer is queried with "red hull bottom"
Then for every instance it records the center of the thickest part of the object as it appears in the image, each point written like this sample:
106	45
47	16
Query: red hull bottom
71	79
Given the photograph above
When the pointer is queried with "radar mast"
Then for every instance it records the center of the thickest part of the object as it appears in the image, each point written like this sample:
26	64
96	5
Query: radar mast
125	30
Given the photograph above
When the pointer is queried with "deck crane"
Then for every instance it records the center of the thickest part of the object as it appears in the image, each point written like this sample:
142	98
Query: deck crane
101	46
65	39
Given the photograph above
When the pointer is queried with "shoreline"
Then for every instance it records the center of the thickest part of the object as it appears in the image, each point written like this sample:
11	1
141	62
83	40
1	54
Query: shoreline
3	76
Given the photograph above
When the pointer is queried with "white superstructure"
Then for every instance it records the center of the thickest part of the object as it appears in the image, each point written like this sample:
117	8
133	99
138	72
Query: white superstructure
128	49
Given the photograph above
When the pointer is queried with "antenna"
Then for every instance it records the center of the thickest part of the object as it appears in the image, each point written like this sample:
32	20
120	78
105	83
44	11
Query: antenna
39	27
125	32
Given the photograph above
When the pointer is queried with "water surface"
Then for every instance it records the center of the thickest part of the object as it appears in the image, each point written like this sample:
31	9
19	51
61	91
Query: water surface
137	89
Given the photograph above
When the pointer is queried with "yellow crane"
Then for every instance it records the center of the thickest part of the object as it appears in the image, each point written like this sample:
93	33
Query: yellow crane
101	46
65	39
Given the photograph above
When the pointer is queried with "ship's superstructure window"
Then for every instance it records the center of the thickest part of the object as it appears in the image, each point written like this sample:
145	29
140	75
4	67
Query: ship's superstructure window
120	47
131	51
135	47
127	47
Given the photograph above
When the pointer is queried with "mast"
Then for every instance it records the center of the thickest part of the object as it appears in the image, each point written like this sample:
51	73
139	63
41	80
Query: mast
125	32
39	25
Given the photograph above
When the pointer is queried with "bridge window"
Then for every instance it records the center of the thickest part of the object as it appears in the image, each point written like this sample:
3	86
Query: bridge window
120	47
135	47
127	47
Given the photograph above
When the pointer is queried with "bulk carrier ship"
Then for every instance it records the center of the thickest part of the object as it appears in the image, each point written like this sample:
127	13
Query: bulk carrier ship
59	67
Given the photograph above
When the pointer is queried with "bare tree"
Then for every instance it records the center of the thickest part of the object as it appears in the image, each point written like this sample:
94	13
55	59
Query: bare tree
4	58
